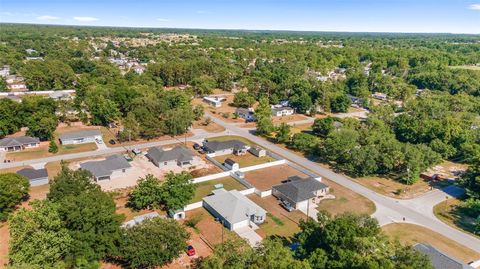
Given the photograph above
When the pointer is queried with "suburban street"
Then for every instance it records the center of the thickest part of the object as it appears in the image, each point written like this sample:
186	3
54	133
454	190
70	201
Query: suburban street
388	210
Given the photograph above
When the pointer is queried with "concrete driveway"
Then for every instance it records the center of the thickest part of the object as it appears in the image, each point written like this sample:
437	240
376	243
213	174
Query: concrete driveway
250	235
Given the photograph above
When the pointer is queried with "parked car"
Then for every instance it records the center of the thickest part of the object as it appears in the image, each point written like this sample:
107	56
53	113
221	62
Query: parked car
112	142
137	151
190	250
286	205
196	146
99	141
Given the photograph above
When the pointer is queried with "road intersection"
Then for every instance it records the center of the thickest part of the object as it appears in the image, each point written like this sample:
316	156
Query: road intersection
388	210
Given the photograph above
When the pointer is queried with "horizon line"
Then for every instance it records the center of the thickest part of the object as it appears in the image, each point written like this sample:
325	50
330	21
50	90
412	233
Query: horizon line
240	29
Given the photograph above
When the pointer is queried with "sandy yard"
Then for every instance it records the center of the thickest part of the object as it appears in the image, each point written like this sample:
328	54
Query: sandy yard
264	179
212	127
291	118
245	160
4	238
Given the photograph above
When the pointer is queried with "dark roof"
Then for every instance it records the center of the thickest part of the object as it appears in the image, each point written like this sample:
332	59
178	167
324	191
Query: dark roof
80	134
275	109
18	141
299	189
242	110
439	259
178	153
222	145
229	161
107	166
33	174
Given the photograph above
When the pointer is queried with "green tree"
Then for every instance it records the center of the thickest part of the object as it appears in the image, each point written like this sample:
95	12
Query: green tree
152	243
13	189
38	237
283	133
131	128
323	127
3	85
340	103
198	112
92	223
243	99
203	85
177	190
52	147
263	115
42	126
70	183
146	194
304	142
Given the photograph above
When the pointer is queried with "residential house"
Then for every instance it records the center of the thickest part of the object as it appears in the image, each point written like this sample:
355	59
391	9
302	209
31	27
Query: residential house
36	177
380	96
245	113
5	71
139	69
19	143
17	87
30	51
112	166
233	209
139	219
214	101
439	259
225	147
258	151
179	155
80	137
231	164
282	111
300	191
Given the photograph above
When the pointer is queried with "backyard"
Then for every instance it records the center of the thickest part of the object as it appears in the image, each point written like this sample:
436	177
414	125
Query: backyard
279	222
245	160
205	188
410	234
42	151
264	179
447	212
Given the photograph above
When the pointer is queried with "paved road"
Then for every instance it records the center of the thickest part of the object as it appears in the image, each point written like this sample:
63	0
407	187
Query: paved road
388	210
199	135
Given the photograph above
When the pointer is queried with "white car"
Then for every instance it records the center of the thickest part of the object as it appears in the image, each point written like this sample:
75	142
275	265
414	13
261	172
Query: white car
99	141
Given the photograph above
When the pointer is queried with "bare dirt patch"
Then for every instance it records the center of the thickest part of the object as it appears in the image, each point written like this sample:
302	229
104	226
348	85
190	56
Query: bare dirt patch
212	127
4	238
264	179
286	119
410	234
245	160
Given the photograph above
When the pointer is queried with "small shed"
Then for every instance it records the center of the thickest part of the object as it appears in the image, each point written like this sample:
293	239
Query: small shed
258	151
176	214
231	164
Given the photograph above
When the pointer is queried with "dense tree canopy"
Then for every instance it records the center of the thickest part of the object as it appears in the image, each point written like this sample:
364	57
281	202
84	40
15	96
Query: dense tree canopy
13	189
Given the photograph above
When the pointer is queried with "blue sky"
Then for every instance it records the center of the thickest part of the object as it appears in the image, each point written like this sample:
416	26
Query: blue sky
452	16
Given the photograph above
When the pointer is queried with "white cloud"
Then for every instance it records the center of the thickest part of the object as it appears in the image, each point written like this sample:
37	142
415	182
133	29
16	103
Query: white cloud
47	18
162	20
203	12
474	7
85	19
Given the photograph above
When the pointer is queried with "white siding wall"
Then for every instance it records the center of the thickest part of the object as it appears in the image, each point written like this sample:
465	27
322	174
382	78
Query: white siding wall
39	182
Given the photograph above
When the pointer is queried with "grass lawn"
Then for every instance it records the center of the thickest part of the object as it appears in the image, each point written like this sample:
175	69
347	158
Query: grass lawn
205	188
209	229
231	137
392	188
245	160
76	148
446	212
212	127
42	151
345	201
295	129
410	234
279	222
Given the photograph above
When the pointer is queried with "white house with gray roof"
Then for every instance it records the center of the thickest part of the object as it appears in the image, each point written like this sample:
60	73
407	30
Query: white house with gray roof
282	111
112	166
299	191
36	177
225	147
80	137
18	143
234	209
179	156
440	260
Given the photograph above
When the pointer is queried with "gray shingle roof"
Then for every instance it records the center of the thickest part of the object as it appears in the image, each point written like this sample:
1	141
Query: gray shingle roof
33	174
300	189
18	141
232	205
178	153
107	166
223	145
80	134
439	259
229	161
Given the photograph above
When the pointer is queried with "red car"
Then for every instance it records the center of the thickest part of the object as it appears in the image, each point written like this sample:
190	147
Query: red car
190	250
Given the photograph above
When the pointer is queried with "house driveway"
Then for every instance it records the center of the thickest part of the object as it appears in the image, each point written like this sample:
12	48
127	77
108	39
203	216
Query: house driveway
101	146
250	235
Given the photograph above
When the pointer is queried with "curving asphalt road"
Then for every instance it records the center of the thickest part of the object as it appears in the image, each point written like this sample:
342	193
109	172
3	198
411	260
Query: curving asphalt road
388	210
